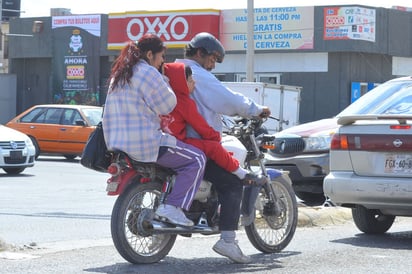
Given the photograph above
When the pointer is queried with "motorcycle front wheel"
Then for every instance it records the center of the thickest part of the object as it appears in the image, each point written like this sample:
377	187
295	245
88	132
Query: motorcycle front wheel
138	247
274	225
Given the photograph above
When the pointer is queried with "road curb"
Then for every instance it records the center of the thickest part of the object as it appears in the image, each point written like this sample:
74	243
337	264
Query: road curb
321	215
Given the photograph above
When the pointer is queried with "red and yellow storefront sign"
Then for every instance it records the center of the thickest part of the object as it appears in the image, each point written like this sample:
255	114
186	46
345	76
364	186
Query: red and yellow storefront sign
176	28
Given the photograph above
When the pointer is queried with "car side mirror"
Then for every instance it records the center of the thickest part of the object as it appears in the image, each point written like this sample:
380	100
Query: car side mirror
80	123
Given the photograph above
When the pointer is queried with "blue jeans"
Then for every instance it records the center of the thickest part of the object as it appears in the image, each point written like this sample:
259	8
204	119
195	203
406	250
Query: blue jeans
189	164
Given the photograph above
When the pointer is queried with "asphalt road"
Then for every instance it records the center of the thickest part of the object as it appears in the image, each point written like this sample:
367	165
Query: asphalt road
55	218
59	201
56	200
326	249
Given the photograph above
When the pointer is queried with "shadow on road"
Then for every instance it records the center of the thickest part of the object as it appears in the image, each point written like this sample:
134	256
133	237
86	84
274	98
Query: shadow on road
396	240
57	159
5	175
262	263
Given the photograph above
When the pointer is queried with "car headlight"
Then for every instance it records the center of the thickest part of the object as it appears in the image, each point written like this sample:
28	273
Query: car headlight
318	142
28	142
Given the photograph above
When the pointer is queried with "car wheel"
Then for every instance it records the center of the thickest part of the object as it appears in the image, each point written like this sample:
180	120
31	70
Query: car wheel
311	198
70	156
36	146
14	170
371	221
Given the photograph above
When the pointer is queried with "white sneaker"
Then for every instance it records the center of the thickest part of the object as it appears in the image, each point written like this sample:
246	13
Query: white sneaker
173	215
232	251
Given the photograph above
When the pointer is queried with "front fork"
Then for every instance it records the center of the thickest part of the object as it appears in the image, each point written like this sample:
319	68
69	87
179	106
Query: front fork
251	193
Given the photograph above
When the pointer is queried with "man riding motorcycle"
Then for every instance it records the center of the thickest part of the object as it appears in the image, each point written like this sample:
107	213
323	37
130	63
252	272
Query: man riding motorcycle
213	99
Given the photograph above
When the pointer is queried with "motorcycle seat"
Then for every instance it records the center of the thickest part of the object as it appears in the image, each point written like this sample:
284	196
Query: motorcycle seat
121	155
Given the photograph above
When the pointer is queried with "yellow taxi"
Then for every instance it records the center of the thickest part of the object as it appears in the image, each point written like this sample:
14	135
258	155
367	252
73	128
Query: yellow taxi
57	129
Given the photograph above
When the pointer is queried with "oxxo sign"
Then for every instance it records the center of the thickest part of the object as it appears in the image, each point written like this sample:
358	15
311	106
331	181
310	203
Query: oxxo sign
145	26
175	28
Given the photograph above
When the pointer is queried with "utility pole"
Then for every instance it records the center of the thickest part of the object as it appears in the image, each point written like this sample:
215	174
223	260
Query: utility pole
250	50
2	65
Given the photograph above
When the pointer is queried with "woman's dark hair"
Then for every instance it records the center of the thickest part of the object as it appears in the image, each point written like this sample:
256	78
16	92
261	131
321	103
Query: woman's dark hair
122	69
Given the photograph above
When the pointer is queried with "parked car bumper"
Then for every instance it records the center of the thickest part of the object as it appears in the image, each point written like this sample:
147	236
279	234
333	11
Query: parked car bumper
306	171
27	159
384	193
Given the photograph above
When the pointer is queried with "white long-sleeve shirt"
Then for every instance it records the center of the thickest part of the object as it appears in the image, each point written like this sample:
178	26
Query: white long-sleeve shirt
213	99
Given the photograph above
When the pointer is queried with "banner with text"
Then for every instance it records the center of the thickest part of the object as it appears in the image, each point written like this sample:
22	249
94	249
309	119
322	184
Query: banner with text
76	59
274	28
343	23
175	28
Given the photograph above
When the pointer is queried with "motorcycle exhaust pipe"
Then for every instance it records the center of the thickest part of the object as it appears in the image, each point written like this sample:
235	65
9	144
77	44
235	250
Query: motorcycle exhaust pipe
159	227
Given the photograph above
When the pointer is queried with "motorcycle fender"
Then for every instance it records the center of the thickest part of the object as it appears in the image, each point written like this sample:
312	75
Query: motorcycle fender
115	186
250	194
273	173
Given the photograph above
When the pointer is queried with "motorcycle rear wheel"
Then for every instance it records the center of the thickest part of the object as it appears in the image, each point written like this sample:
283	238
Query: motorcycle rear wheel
270	233
133	246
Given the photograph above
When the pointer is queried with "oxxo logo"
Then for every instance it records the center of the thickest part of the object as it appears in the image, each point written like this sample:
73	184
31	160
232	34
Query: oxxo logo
332	21
75	72
177	25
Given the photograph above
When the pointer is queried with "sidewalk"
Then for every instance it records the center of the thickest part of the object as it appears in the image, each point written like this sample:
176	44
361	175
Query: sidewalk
322	215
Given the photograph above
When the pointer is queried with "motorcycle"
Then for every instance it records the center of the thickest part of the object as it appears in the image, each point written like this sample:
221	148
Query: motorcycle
269	212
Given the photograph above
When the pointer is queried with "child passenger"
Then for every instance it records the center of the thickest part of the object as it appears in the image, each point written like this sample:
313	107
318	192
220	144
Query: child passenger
185	112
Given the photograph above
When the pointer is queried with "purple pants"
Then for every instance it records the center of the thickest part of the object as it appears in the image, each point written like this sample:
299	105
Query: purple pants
189	164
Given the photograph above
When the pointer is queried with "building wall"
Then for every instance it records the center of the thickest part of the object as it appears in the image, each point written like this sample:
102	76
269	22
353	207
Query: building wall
325	94
7	97
33	83
4	62
325	73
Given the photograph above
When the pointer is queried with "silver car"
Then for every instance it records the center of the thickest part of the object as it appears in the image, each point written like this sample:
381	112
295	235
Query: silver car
371	166
303	150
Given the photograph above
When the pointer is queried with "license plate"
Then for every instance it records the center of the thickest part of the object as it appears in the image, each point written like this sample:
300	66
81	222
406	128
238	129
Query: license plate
16	155
112	187
398	163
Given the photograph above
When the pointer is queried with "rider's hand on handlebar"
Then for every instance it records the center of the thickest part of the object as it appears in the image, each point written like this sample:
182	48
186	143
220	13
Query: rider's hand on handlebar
265	113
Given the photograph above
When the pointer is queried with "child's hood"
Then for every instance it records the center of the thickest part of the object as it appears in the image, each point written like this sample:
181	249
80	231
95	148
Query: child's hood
177	77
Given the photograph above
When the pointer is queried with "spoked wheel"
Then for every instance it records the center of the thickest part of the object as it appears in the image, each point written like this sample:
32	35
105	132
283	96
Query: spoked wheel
274	225
133	244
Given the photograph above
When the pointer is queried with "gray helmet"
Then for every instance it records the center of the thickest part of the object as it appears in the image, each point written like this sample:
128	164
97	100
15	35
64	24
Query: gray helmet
209	43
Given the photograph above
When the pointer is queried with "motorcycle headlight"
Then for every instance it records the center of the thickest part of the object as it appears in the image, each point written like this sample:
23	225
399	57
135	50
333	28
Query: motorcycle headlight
318	142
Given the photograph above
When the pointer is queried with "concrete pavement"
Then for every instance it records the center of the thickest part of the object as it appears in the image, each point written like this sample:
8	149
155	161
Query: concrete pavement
322	215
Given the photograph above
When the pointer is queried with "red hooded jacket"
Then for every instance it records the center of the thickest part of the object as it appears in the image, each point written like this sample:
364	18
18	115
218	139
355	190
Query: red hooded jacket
185	111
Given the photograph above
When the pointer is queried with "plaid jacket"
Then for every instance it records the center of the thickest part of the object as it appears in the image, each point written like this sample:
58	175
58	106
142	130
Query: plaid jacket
131	120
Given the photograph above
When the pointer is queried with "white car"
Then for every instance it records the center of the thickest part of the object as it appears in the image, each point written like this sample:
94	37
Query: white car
16	151
371	167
